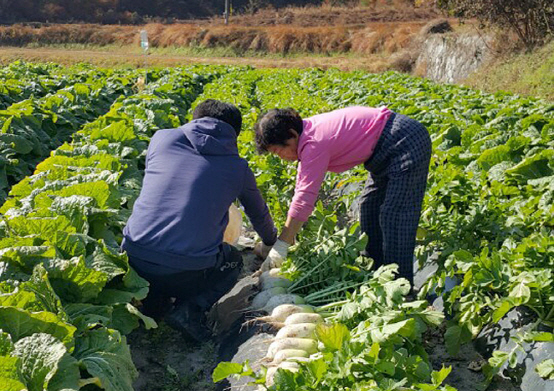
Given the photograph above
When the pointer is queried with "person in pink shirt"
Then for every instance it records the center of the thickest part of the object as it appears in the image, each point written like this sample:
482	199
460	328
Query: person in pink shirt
396	151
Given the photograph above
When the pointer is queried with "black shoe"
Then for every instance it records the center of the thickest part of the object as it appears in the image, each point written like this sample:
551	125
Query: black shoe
156	306
189	320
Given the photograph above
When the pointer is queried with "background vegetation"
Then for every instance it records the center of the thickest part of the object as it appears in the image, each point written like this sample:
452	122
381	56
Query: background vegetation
531	20
127	11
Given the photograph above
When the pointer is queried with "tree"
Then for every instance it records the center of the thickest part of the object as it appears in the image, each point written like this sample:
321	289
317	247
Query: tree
531	20
113	11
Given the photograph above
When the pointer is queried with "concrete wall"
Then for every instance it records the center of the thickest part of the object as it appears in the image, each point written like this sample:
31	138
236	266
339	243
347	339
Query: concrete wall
449	58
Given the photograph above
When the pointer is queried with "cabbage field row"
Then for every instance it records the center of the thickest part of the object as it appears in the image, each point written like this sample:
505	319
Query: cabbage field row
68	295
49	105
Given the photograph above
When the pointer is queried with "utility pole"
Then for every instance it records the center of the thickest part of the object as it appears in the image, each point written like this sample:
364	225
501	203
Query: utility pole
227	11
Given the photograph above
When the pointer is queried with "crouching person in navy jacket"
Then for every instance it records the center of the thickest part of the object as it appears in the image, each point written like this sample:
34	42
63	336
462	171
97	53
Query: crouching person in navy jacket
174	237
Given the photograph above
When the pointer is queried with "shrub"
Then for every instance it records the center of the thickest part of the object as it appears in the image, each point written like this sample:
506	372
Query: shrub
531	20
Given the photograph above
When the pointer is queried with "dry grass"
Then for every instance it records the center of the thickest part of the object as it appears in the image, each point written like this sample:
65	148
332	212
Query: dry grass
382	26
374	38
20	35
315	16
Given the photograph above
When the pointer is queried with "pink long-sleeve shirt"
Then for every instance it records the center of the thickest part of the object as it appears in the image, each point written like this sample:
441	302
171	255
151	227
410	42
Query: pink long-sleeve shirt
335	141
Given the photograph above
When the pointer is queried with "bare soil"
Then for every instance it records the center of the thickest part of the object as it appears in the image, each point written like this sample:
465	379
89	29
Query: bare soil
166	362
466	372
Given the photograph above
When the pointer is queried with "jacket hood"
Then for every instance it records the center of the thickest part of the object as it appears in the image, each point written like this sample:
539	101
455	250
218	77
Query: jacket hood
210	136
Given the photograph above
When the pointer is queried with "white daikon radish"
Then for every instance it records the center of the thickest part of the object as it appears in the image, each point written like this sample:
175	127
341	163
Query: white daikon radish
300	330
300	359
303	318
308	345
289	366
285	365
287	354
278	300
234	227
261	299
269	376
273	282
272	273
281	313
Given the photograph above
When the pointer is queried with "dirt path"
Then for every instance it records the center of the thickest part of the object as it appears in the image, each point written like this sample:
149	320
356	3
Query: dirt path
166	362
125	57
466	372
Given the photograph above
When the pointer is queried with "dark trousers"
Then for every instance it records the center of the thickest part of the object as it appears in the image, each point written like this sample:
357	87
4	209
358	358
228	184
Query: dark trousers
200	287
391	201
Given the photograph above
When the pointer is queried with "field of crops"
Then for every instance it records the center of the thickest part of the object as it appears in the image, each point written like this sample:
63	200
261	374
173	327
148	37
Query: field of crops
68	295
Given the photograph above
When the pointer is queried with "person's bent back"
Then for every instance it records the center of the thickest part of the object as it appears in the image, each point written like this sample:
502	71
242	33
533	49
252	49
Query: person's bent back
193	174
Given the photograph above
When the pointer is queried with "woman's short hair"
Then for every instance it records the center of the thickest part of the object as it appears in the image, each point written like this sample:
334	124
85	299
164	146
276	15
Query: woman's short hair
274	128
222	111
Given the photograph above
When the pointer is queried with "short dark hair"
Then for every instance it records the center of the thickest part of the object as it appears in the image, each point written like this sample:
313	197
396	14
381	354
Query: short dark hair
274	128
222	111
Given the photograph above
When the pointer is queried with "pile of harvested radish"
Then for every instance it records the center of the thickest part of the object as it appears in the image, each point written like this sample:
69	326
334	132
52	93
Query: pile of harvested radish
296	339
274	292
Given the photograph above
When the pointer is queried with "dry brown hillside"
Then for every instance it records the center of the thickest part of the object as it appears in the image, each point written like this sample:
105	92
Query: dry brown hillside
387	27
383	34
381	11
282	39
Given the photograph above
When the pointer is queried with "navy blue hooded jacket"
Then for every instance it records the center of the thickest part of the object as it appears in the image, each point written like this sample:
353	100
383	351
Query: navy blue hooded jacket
193	174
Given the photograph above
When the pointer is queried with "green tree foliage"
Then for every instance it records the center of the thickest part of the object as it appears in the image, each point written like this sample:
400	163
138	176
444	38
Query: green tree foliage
531	20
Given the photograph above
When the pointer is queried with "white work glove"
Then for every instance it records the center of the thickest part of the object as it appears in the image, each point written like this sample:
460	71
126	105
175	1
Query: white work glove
277	254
